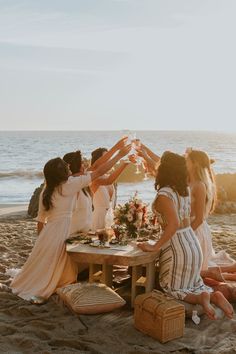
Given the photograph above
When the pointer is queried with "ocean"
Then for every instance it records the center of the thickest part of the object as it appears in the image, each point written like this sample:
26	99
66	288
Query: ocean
24	153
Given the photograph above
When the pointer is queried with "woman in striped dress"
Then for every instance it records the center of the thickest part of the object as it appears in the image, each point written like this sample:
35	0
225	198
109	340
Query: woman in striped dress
180	251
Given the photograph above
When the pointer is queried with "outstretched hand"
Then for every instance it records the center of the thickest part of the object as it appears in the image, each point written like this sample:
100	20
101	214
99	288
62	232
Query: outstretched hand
132	158
146	247
142	152
121	143
124	151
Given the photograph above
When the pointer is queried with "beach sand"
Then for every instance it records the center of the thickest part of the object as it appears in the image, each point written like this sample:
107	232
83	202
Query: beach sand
13	209
51	328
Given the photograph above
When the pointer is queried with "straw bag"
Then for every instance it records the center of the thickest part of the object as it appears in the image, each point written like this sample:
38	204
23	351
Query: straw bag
90	298
159	316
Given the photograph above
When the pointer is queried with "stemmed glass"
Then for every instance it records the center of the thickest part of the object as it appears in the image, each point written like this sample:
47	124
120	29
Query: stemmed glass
135	145
131	137
138	159
145	174
132	140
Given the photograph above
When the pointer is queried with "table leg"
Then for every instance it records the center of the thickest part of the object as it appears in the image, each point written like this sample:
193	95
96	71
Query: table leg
107	274
136	274
150	277
93	268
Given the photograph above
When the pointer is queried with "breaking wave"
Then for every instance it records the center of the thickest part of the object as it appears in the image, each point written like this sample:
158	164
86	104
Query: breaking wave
26	174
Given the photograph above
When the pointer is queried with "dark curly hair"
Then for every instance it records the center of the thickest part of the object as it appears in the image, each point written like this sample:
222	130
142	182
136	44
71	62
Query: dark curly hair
74	160
56	171
96	154
172	172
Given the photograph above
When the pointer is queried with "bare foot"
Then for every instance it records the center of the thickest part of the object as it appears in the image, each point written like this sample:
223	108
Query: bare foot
213	273
229	276
205	302
212	282
219	300
228	290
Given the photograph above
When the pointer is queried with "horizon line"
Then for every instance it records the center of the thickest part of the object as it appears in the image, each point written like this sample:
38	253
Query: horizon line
118	130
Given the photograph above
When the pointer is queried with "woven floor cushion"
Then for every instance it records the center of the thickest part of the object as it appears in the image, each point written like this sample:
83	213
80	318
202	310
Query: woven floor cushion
90	298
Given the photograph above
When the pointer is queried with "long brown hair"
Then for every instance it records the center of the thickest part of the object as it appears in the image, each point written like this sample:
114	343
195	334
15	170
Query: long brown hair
172	172
56	172
204	173
74	159
97	153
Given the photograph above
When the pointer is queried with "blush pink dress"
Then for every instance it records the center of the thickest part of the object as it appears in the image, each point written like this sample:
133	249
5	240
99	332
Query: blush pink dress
49	266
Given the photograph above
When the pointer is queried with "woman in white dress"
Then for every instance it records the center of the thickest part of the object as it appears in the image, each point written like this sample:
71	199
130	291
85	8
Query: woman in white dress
49	266
82	213
103	188
180	252
203	198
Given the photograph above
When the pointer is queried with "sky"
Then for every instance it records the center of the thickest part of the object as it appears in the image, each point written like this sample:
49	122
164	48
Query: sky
117	64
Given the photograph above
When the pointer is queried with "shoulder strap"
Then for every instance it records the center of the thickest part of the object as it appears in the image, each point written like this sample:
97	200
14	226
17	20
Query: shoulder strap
167	192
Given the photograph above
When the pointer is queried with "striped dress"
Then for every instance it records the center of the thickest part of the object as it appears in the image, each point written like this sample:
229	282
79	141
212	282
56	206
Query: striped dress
181	257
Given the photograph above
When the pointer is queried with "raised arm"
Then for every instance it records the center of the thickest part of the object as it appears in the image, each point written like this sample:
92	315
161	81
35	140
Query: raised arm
118	146
105	167
111	178
151	154
150	164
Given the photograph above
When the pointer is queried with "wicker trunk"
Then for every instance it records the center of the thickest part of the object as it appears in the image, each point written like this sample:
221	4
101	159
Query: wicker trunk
159	316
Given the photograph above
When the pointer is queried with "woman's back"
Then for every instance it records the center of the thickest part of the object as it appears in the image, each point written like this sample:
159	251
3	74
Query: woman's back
182	205
82	213
103	196
63	198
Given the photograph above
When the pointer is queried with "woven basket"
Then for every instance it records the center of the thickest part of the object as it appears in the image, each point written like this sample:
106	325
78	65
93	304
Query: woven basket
159	316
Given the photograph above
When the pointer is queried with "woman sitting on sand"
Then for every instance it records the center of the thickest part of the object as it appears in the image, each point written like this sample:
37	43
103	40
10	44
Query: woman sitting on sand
203	197
103	188
82	214
180	252
49	266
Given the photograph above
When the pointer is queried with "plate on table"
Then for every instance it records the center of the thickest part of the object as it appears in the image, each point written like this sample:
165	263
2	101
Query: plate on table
79	237
151	242
97	244
91	233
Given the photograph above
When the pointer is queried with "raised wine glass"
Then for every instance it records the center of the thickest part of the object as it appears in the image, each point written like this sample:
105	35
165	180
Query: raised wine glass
132	141
138	159
145	174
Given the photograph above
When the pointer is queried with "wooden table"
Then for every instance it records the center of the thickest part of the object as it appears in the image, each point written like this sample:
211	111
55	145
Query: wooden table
129	255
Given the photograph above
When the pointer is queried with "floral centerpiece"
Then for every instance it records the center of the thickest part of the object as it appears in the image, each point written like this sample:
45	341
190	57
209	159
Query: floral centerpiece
131	217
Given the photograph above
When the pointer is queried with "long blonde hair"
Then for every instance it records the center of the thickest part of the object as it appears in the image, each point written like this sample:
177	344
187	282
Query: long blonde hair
204	173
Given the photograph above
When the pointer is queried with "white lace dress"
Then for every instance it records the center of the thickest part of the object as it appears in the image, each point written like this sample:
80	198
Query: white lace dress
181	257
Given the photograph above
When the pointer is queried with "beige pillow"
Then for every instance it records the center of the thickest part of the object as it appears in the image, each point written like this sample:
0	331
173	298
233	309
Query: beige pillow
90	298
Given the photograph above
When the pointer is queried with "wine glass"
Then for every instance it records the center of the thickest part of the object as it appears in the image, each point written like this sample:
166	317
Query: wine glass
138	159
132	141
145	175
127	135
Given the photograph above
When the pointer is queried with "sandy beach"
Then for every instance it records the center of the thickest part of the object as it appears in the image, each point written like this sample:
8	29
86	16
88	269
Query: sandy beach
52	328
13	209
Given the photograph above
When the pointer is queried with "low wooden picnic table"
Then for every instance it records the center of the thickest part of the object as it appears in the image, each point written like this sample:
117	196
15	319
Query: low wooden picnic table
129	255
